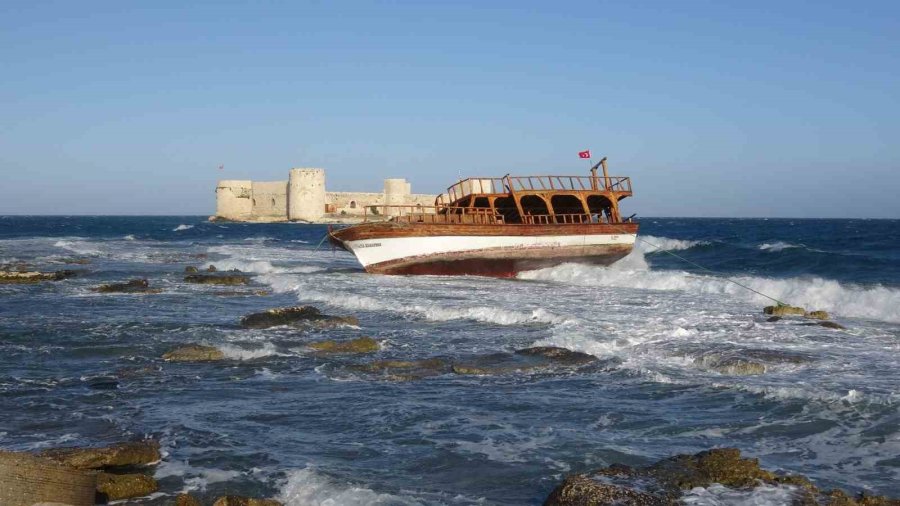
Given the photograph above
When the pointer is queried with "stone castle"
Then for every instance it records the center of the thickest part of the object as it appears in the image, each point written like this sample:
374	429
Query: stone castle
303	198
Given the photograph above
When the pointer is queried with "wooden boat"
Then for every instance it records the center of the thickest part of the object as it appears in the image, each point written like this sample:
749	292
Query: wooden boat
498	227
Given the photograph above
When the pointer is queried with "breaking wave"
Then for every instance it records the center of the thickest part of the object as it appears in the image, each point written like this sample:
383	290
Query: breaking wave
778	246
181	227
79	247
761	495
876	303
237	353
306	487
649	244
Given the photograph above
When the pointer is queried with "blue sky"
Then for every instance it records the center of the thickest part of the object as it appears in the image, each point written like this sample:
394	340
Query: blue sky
713	108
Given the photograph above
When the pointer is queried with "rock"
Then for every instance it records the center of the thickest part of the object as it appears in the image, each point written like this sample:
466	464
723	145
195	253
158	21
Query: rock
210	279
114	487
211	268
832	325
558	355
116	455
404	370
773	319
194	353
236	293
818	315
358	345
234	500
28	277
133	286
580	490
731	365
500	363
26	479
76	261
186	500
784	310
297	315
191	270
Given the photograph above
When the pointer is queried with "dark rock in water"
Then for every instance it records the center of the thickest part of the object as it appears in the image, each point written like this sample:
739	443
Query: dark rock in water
234	500
194	353
818	315
191	270
773	319
116	455
186	500
784	310
499	363
558	355
832	325
664	482
103	383
76	261
214	279
114	487
133	286
405	370
298	315
211	268
236	293
28	277
580	490
359	345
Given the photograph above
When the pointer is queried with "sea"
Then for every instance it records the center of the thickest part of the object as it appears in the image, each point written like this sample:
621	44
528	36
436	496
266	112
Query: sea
276	419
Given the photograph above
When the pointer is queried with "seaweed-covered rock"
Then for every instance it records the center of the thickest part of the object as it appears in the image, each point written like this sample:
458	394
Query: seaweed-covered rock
191	270
186	500
114	487
404	370
663	483
28	277
818	315
116	455
297	315
133	286
194	353
557	355
234	500
784	311
732	365
358	345
218	279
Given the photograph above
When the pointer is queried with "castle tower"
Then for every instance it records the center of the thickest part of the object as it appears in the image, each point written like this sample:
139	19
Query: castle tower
233	199
396	192
306	194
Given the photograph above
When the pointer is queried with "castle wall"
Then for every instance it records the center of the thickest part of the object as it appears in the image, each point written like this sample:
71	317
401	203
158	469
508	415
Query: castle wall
233	199
306	194
270	199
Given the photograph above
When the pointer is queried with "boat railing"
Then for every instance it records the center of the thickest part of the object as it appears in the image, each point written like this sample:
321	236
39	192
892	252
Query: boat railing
511	184
457	215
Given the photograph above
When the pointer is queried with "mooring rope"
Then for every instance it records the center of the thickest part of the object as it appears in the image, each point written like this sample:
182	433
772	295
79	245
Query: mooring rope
695	264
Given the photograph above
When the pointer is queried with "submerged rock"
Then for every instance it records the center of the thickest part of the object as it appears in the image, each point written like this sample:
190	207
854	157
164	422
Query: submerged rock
405	370
235	500
784	311
561	356
732	365
133	286
217	279
297	315
832	325
773	319
186	500
191	270
358	345
664	482
236	293
114	487
194	353
818	315
116	455
76	261
28	277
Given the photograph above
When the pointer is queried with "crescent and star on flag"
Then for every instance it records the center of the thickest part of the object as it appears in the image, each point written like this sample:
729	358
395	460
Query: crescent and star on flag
584	154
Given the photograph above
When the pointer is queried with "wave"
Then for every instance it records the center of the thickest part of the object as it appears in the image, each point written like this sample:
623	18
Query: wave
814	293
650	244
181	227
432	312
263	267
306	487
129	237
761	495
778	246
79	247
238	353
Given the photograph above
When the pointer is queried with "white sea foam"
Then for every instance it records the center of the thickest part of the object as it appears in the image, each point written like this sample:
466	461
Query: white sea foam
778	246
307	487
762	495
129	237
181	227
79	247
237	353
262	266
649	243
876	303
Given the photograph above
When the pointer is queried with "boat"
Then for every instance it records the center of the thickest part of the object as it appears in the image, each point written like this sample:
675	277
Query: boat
497	227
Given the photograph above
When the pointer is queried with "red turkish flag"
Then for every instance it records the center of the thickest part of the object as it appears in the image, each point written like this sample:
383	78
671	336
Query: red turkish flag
584	154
